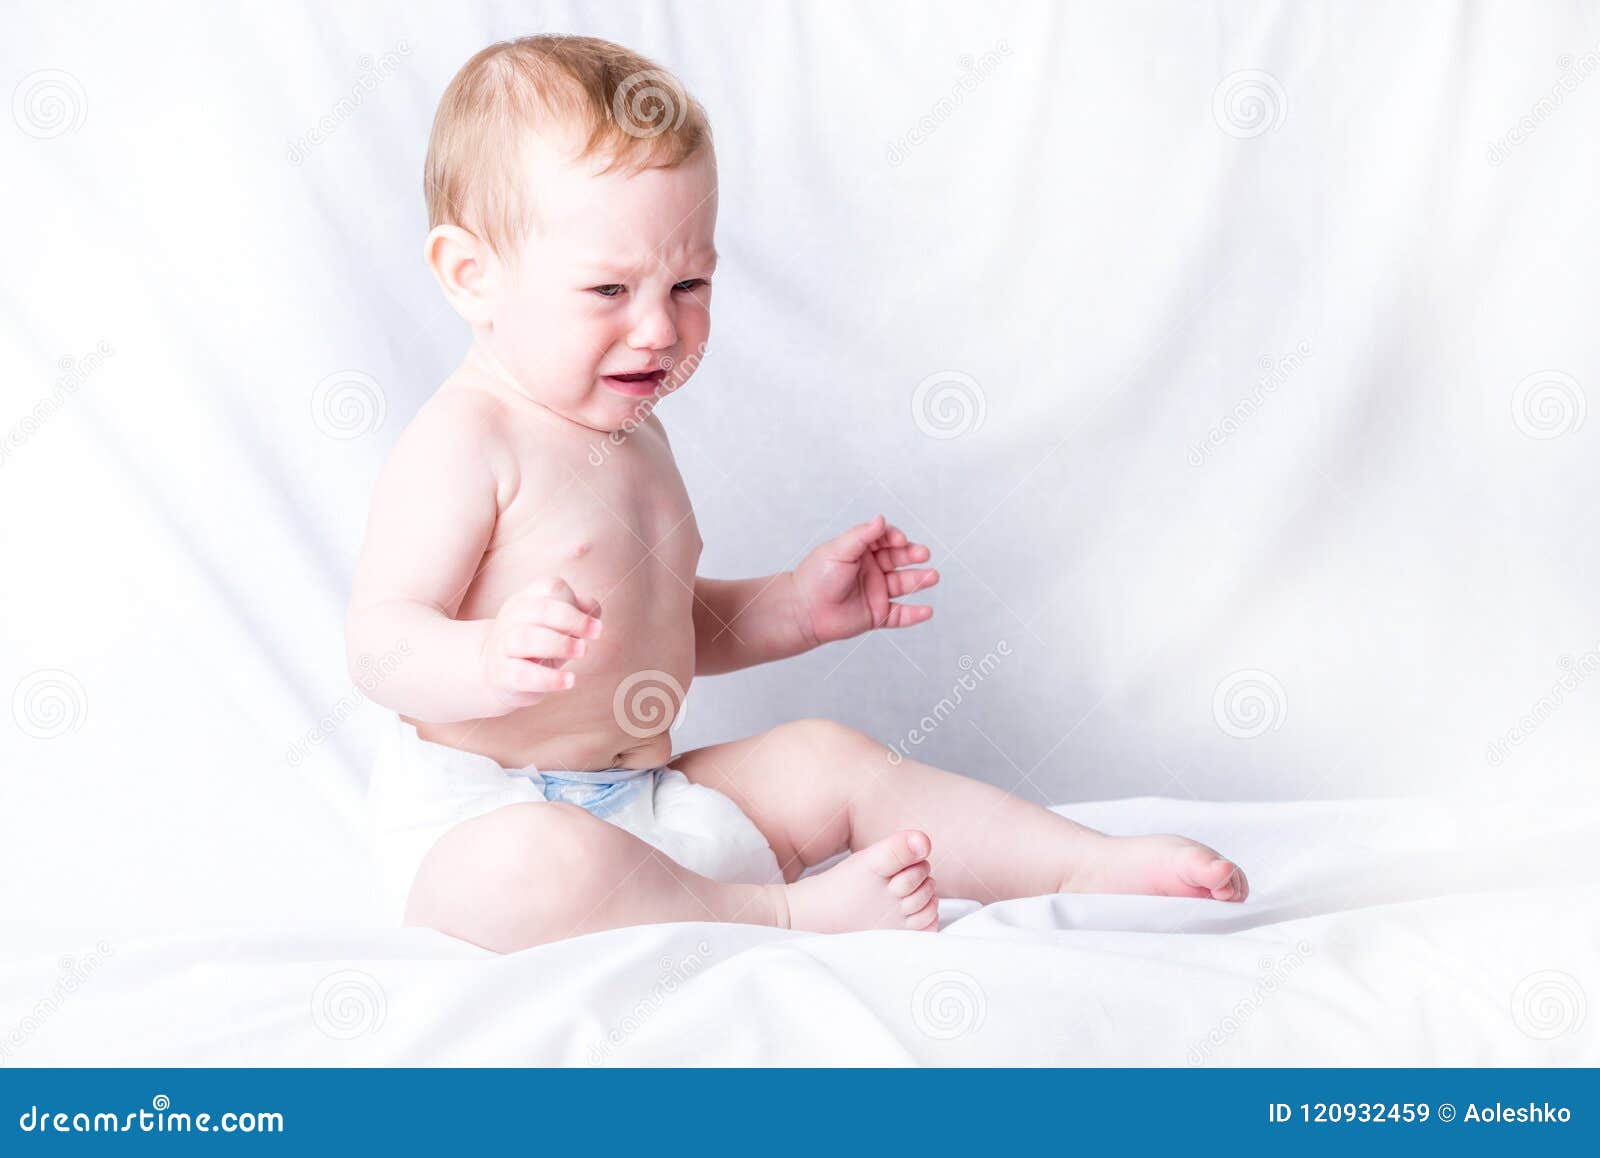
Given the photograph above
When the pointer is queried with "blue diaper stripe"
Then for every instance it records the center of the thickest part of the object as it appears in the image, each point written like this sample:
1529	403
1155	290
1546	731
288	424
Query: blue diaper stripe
602	793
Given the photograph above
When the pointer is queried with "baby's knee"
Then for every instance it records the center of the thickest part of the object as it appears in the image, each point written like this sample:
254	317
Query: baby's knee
521	846
823	737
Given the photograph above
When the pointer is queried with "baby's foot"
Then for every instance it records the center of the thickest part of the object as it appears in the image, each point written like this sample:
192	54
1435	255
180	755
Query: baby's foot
1162	866
884	886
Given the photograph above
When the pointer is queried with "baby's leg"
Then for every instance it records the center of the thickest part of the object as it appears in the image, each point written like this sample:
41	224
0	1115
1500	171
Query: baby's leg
816	788
527	874
530	873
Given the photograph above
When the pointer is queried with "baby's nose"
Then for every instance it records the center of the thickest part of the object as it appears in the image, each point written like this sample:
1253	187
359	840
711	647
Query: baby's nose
653	331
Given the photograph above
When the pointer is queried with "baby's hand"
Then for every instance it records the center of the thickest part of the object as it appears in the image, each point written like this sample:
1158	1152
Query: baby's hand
848	585
536	631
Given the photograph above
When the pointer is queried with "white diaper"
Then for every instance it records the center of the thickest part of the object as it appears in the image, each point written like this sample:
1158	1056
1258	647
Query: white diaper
420	790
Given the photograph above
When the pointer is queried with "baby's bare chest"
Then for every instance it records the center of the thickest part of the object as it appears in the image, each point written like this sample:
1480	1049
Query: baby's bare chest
621	531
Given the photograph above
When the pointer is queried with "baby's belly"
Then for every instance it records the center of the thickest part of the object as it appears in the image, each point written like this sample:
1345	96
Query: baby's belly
629	687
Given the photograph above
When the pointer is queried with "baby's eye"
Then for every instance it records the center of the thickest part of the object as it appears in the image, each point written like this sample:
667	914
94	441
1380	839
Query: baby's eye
691	285
607	291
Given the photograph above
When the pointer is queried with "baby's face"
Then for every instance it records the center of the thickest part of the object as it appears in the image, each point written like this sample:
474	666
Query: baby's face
613	279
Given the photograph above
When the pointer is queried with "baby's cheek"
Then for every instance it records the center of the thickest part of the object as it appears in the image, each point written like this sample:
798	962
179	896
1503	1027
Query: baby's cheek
695	331
570	349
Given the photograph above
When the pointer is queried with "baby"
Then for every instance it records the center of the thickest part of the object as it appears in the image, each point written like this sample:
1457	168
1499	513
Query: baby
532	551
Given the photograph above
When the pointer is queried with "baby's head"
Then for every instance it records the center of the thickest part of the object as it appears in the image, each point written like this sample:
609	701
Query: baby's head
572	205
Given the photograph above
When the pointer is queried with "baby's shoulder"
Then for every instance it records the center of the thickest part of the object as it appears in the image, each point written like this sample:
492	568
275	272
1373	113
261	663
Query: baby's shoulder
461	412
656	431
461	428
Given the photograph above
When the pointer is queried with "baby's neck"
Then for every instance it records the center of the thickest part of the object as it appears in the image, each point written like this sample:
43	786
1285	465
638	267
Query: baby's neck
482	358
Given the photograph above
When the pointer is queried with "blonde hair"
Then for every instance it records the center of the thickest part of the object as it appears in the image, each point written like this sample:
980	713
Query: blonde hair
621	106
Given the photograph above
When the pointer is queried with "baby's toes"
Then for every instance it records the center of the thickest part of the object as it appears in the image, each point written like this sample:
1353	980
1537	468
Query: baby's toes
908	880
919	898
1224	879
1235	888
927	917
1202	869
896	852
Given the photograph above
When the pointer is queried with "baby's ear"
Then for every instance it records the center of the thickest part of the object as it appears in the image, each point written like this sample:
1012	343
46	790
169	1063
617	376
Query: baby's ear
466	269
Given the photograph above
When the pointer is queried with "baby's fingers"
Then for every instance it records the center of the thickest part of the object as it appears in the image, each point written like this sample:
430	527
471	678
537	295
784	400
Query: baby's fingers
891	557
563	617
905	582
908	614
527	677
546	587
855	542
530	641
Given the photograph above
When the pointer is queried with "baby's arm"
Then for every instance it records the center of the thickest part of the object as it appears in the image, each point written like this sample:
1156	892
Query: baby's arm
432	515
739	623
845	587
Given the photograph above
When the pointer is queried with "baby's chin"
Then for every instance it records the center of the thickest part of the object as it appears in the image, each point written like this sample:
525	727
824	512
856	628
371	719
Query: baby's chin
605	411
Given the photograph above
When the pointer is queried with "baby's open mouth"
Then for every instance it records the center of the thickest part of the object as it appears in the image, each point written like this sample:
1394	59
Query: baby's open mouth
639	385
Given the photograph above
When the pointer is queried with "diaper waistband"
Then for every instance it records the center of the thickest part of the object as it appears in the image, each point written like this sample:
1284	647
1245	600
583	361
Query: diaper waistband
604	776
456	757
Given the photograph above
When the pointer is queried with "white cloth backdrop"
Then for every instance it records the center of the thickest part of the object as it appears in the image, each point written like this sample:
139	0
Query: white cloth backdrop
1254	343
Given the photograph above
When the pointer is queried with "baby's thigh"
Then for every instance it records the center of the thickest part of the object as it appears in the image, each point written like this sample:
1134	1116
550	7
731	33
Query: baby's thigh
521	875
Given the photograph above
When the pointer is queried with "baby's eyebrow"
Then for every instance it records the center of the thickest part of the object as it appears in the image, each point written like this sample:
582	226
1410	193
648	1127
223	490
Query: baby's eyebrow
706	259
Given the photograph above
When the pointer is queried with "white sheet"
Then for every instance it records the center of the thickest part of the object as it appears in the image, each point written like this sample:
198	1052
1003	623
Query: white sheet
1379	933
